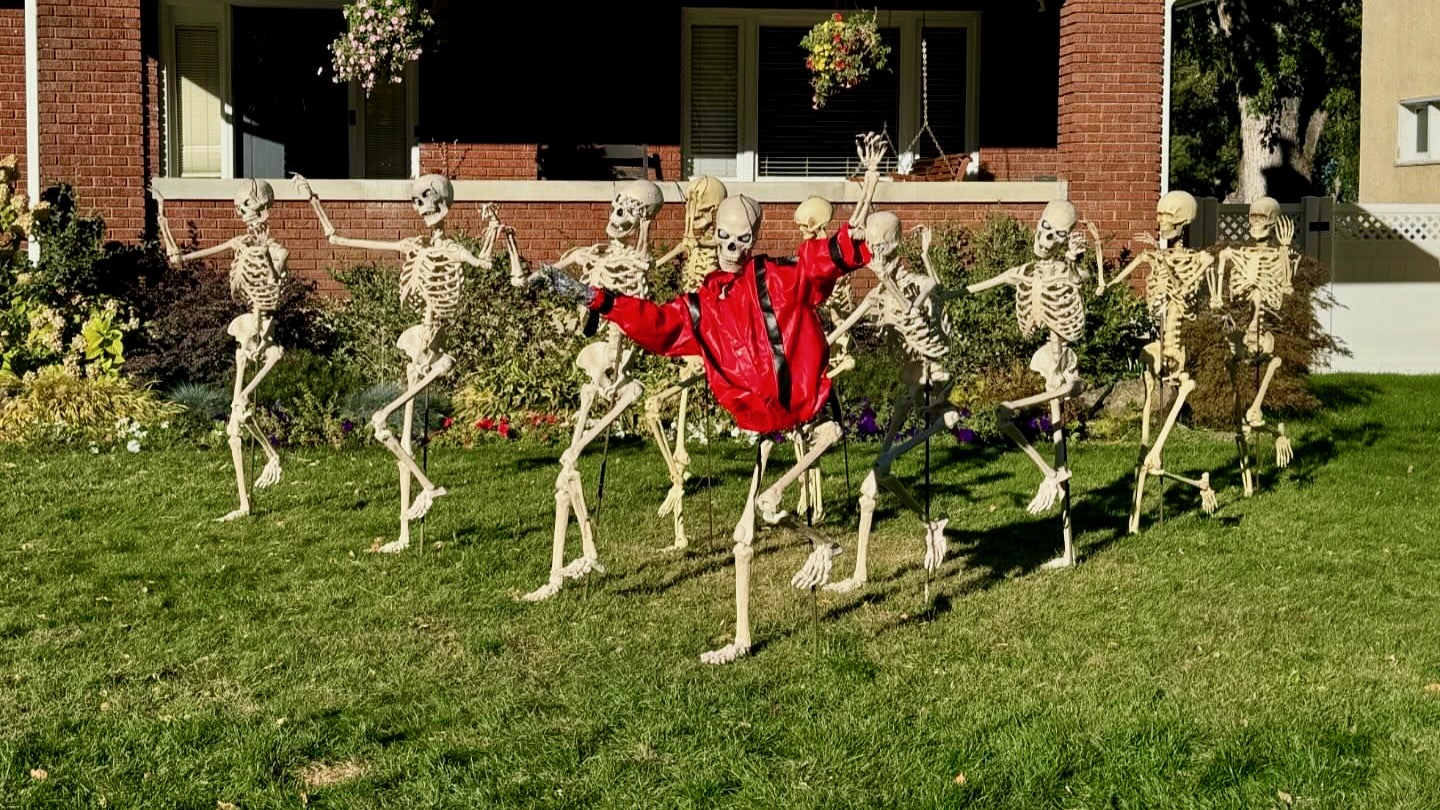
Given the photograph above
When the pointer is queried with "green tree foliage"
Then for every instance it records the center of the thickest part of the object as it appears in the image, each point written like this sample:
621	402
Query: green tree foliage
1266	97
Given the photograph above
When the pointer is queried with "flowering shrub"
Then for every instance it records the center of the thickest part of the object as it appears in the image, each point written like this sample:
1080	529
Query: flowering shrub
383	36
842	52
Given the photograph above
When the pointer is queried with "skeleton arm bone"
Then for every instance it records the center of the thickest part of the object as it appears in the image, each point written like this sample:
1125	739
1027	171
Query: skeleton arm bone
335	239
871	150
846	325
172	250
1146	258
1006	277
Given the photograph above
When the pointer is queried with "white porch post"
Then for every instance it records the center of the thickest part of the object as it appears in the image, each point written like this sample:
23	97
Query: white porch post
32	113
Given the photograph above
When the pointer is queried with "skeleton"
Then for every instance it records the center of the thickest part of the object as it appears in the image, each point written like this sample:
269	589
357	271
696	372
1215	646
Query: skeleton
738	231
911	304
256	275
812	217
431	277
698	246
619	267
1171	289
1048	297
1259	275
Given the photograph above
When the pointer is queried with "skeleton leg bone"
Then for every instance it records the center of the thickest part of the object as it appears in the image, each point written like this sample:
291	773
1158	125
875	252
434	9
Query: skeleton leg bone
239	415
1255	418
676	460
1141	473
870	490
270	474
428	492
1062	462
744	536
1004	415
1153	465
1242	431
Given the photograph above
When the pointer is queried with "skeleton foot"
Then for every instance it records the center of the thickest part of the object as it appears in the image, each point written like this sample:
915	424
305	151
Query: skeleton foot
673	498
935	544
1284	451
422	503
725	654
269	476
816	570
545	591
580	566
235	515
1207	495
1047	493
393	547
1063	561
846	585
770	508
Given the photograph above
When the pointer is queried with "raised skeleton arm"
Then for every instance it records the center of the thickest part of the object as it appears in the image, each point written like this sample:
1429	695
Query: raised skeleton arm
871	149
303	186
1006	277
172	250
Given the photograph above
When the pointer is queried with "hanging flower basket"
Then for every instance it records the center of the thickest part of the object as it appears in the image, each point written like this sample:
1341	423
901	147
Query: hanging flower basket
842	53
383	36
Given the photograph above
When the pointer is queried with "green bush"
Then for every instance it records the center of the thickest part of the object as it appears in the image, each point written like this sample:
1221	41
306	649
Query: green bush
53	406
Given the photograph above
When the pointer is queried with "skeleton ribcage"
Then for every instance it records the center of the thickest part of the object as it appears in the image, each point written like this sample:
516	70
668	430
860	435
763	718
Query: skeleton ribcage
921	337
254	279
430	280
1261	273
619	269
1048	296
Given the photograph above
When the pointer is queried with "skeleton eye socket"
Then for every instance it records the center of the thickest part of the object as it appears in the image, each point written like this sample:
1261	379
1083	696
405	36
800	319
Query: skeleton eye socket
722	233
746	238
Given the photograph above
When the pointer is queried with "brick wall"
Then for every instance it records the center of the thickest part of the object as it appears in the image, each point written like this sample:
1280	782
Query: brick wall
1111	82
12	84
543	230
92	107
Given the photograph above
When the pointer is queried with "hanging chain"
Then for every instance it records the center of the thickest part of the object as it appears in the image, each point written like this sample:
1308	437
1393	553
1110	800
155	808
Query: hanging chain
925	109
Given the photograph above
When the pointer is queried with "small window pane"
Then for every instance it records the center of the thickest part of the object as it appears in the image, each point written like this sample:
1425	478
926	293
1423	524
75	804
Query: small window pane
1422	128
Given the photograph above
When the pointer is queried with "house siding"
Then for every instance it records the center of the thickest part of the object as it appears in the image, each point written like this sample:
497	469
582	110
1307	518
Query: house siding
1397	62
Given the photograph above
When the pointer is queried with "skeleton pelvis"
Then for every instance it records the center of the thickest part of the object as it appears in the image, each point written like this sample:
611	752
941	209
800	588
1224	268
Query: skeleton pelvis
245	329
597	360
1057	363
416	343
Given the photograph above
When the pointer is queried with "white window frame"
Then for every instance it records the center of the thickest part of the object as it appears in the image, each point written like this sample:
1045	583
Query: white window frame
906	64
1408	114
218	14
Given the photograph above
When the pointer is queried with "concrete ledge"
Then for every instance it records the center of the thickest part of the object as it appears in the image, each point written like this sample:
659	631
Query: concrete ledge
602	191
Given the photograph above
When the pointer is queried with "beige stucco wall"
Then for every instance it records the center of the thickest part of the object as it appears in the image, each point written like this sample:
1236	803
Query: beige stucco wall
1399	60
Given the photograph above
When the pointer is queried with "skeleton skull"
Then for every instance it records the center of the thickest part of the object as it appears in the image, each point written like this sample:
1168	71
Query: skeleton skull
737	228
1174	211
813	216
635	203
1264	216
703	197
1052	234
432	195
252	202
882	233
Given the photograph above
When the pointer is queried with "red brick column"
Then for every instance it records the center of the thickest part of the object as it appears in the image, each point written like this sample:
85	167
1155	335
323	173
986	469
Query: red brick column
12	84
93	81
1111	95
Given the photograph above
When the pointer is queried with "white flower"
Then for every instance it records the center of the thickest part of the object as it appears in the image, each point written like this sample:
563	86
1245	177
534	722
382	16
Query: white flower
164	425
94	449
133	445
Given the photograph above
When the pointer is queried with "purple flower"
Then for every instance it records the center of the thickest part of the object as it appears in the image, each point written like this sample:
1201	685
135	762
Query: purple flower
866	423
347	425
964	435
274	440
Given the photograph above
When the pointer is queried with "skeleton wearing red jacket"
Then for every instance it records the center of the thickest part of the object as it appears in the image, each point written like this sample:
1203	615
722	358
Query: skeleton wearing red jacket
755	324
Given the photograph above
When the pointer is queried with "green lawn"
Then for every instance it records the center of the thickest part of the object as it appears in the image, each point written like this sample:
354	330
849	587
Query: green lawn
1284	652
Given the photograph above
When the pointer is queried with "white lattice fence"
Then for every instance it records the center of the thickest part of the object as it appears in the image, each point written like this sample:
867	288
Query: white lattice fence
1232	224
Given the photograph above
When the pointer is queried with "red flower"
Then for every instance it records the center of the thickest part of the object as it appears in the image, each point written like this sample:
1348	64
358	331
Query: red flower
504	428
838	17
485	424
447	422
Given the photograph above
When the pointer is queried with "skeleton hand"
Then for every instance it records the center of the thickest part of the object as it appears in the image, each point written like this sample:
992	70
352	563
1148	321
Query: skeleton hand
816	570
1075	248
303	186
1284	230
560	284
871	149
1147	239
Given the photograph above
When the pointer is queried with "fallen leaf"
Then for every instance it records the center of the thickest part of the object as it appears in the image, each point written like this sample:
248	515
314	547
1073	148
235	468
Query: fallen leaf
1432	688
105	706
39	774
1410	469
960	778
1285	797
226	806
439	544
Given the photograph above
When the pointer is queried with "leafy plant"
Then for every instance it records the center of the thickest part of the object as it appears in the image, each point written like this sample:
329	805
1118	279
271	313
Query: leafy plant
841	53
53	405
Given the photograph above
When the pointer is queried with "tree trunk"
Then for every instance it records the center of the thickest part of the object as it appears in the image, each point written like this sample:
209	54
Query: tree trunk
1280	166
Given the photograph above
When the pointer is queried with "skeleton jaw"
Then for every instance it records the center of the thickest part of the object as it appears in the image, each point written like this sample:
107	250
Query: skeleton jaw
434	218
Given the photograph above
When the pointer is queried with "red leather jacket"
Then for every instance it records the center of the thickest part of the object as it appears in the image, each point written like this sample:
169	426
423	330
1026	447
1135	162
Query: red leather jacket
758	330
